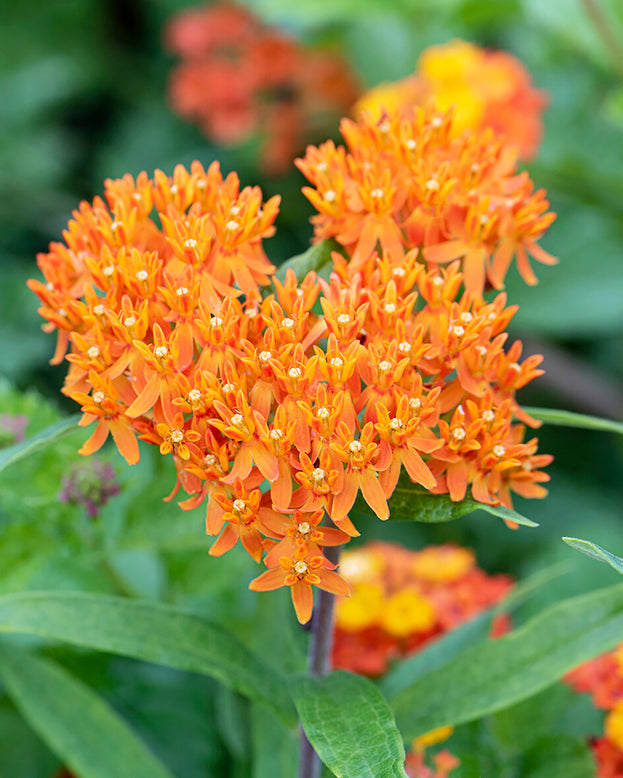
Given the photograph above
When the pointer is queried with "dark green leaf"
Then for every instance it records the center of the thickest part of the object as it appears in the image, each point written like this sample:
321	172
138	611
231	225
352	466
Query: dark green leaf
27	447
410	502
580	420
76	724
22	754
497	673
520	727
559	756
596	552
315	258
148	631
350	725
275	746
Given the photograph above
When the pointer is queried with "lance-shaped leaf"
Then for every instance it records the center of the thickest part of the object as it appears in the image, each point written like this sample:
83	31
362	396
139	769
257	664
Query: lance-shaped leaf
316	258
147	631
570	419
497	673
410	502
350	726
12	454
78	725
596	552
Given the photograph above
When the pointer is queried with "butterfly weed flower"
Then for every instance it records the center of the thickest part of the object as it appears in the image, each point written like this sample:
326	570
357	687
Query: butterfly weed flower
281	407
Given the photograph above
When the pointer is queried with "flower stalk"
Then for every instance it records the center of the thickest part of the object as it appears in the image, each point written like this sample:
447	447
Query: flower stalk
310	765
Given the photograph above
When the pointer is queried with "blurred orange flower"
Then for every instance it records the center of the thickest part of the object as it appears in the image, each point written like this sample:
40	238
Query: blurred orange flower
239	77
602	678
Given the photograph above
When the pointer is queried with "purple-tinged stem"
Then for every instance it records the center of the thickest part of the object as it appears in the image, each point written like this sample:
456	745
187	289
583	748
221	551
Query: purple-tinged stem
310	765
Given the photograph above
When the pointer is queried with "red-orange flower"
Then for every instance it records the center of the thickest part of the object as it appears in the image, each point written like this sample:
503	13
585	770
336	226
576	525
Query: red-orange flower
240	77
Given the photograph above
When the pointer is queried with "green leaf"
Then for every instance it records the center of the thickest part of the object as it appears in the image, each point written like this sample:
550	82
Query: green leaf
13	454
350	725
147	631
275	747
75	722
315	258
409	502
579	420
522	726
22	754
596	552
497	673
558	756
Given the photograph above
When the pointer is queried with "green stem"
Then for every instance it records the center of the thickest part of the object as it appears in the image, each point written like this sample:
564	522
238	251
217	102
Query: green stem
310	765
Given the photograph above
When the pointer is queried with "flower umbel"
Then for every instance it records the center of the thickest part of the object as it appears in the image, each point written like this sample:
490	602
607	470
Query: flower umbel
280	409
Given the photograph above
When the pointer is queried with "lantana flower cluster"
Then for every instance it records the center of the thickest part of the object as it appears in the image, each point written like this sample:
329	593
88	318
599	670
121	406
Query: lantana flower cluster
404	599
280	408
239	77
486	88
401	601
602	678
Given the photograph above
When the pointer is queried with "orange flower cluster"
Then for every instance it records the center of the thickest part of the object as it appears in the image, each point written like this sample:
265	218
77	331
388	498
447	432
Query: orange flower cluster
404	599
279	409
485	89
239	77
602	678
401	601
408	183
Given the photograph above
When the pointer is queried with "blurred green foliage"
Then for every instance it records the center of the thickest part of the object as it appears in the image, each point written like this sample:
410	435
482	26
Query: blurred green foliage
83	88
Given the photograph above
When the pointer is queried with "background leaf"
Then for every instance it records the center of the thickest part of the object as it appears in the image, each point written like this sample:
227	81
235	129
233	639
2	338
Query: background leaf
498	673
12	454
77	724
275	747
596	552
558	756
580	420
350	725
148	631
